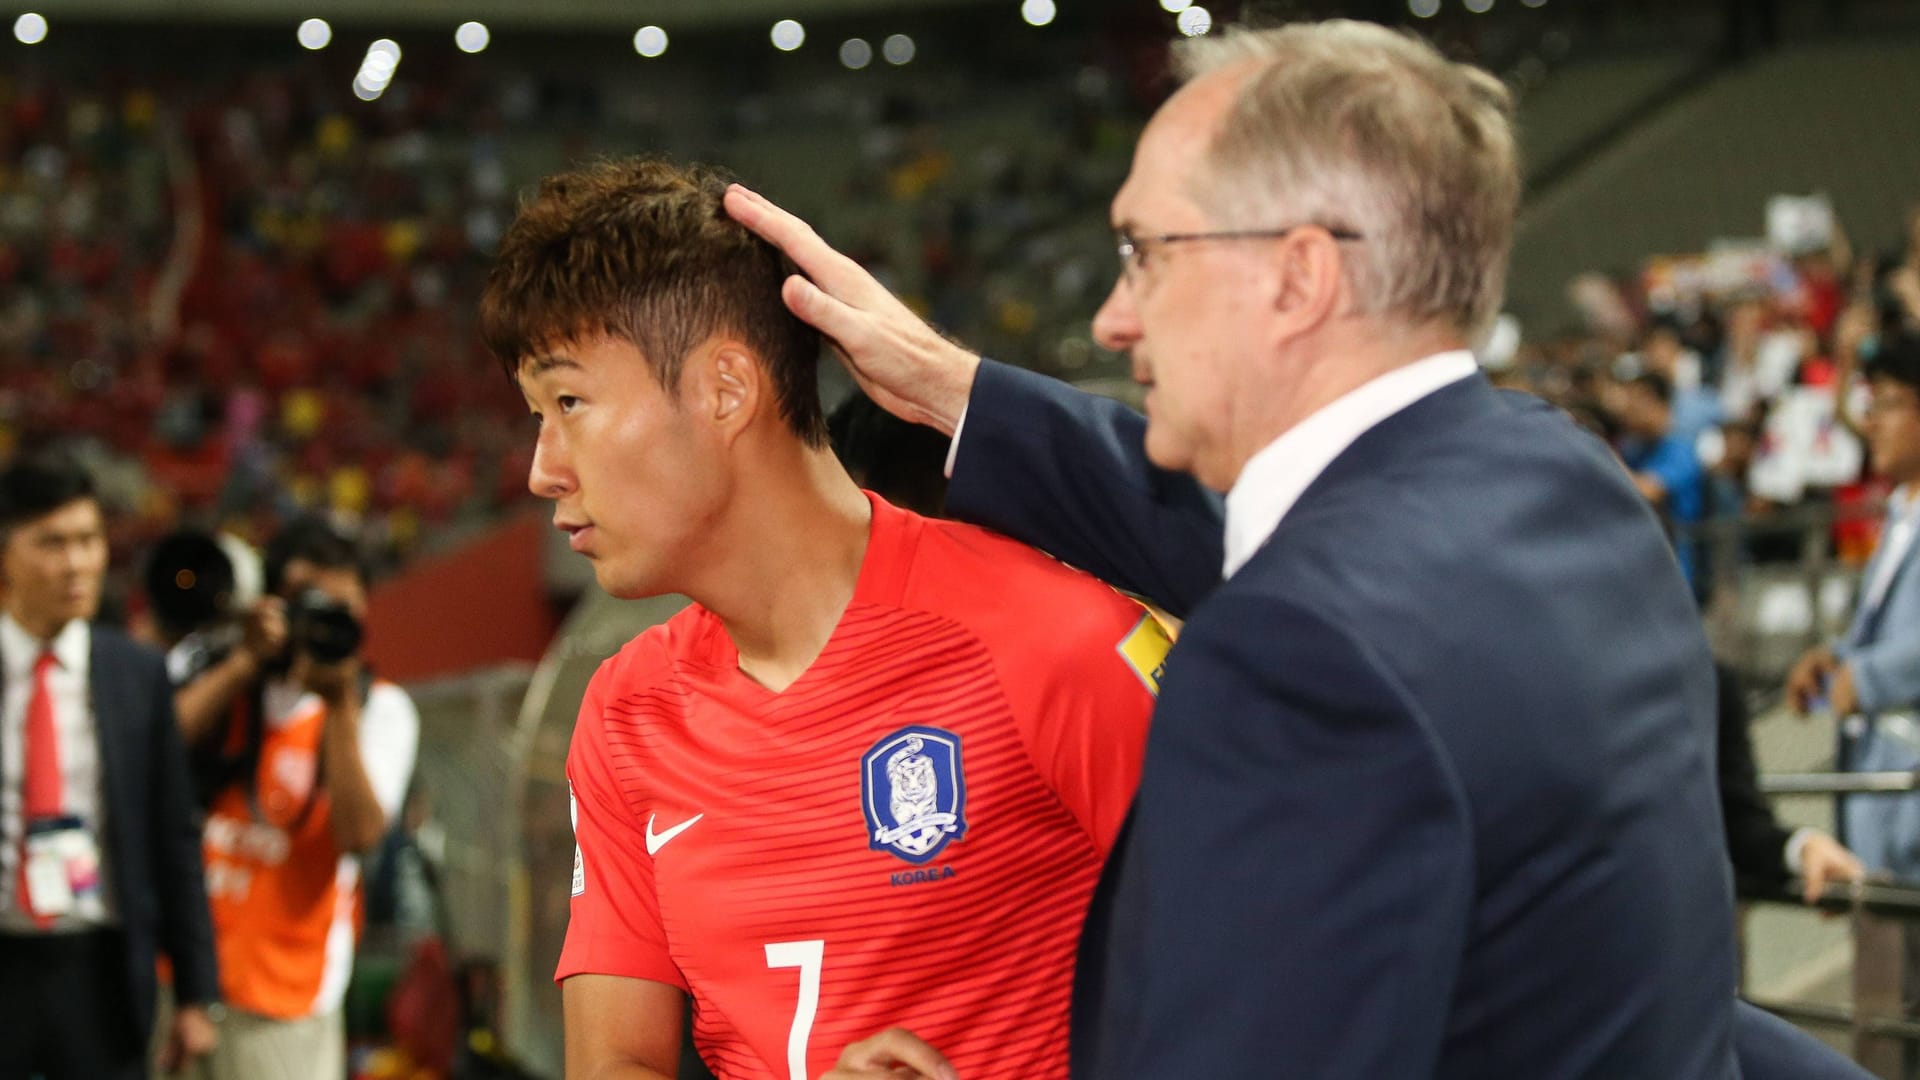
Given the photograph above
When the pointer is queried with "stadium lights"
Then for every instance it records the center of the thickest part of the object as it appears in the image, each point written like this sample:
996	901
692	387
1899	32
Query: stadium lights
472	37
30	29
1175	7
855	53
1195	21
314	34
898	49
1038	12
1424	9
376	69
788	35
649	41
1479	7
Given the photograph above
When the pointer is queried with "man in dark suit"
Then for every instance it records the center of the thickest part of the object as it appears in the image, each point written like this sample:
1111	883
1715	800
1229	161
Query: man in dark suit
1430	787
1765	854
99	853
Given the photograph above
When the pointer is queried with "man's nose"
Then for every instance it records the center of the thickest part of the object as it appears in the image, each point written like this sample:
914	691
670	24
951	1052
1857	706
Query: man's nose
1116	325
550	476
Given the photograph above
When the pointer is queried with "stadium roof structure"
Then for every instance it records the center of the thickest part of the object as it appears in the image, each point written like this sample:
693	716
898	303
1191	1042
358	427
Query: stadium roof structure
552	14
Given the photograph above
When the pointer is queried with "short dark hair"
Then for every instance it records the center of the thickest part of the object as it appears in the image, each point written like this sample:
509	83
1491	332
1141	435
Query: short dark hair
313	540
1654	383
37	484
642	250
1898	360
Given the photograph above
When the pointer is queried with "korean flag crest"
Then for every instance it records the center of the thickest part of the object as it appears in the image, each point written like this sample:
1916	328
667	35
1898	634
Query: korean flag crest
915	793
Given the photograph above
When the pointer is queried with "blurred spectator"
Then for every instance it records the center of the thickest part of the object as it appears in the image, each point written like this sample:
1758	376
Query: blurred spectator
1867	678
1756	363
1734	446
1664	464
1763	852
1695	406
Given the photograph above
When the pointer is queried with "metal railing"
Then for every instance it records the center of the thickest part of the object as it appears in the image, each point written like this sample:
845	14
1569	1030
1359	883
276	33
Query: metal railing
1879	913
1745	559
1877	1020
1843	783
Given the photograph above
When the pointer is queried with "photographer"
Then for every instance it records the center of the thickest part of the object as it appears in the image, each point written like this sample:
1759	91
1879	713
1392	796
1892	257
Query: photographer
305	758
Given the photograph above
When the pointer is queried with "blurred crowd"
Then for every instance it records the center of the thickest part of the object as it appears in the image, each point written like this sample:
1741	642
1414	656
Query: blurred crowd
1730	384
253	299
251	303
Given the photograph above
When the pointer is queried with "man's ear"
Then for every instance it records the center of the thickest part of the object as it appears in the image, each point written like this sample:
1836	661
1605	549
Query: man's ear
1308	285
735	386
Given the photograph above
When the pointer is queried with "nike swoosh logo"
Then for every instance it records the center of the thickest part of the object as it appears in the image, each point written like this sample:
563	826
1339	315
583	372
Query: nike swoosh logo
656	841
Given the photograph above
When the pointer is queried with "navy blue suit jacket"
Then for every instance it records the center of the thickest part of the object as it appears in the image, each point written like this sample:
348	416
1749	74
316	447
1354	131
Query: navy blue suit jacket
152	845
1429	790
1772	1049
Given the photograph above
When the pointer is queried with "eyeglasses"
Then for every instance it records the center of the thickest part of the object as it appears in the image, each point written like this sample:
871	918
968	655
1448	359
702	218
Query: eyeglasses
1133	249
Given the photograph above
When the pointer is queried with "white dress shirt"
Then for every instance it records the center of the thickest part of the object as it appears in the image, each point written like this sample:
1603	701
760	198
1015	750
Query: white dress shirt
80	776
1274	478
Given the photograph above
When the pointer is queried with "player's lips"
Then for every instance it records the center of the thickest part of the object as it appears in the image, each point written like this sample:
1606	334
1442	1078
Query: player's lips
578	533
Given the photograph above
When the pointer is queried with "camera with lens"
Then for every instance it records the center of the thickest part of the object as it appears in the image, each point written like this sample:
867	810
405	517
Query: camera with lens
322	627
190	583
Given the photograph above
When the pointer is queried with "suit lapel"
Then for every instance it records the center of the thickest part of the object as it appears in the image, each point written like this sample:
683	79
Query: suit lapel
1868	628
106	698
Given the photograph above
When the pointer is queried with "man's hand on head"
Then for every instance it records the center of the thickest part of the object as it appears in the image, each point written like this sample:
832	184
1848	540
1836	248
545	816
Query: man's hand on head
902	363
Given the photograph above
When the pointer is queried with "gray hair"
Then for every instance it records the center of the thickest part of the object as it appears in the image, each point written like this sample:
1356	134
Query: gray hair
1352	125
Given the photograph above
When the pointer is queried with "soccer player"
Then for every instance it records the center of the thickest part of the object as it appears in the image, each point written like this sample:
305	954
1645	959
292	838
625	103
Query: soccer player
870	775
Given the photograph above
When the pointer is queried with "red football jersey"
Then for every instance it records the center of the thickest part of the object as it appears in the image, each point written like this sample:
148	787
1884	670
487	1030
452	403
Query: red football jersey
909	834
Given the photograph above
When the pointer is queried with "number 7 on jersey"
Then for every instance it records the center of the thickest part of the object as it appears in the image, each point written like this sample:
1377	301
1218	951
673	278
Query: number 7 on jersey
807	956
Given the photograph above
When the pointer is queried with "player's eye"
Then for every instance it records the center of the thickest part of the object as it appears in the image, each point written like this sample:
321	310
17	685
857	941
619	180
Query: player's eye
566	403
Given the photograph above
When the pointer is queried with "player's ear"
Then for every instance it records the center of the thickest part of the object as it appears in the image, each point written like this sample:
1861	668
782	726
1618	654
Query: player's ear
734	387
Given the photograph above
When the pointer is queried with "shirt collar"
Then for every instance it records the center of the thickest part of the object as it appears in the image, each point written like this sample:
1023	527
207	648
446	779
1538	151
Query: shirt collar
1274	478
21	649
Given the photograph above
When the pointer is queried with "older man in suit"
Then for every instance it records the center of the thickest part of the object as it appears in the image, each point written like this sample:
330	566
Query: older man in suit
99	852
1429	791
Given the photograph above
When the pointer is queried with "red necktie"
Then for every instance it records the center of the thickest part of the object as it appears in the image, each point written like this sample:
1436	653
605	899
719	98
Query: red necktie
40	784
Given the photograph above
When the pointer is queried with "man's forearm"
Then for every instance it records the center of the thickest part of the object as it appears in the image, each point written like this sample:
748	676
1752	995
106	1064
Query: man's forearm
200	704
624	1072
356	816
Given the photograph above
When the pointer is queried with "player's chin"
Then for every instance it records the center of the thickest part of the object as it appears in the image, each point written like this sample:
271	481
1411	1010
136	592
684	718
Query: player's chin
623	582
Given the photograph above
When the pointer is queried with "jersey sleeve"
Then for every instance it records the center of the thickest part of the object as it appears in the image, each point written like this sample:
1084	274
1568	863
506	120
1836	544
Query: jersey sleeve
614	927
1084	699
